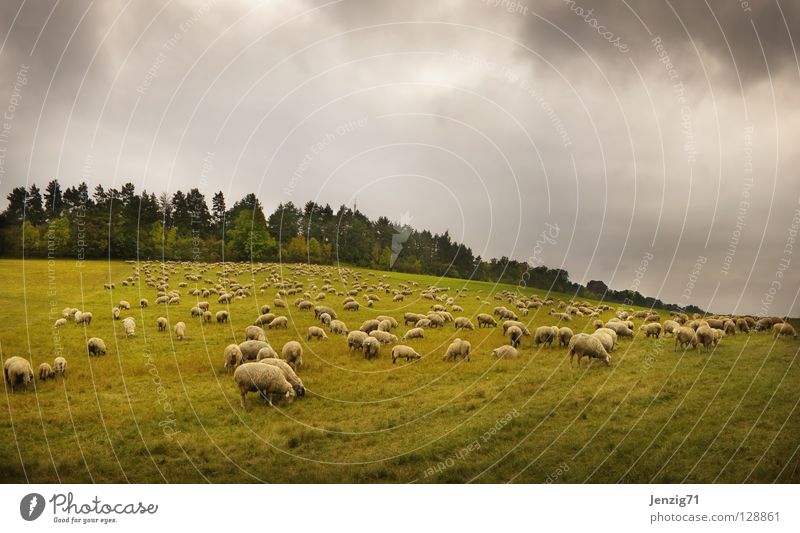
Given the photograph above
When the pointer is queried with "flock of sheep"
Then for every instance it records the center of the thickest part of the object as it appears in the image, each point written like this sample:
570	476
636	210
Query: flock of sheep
258	367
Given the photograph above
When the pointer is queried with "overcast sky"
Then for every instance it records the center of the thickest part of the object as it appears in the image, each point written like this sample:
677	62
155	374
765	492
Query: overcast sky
653	134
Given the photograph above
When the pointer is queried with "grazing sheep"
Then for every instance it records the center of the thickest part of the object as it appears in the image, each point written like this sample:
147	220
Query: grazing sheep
564	336
337	327
292	353
670	326
764	324
743	326
17	370
508	323
457	349
325	319
129	325
652	329
279	322
224	298
196	312
222	317
585	345
250	349
143	303
383	337
597	324
61	322
704	337
288	373
610	332
233	357
324	309
545	335
264	309
267	352
254	333
620	328
389	319
264	319
514	336
384	325
605	339
115	313
207	317
46	372
784	329
96	346
423	323
316	332
414	333
60	366
124	304
371	347
485	320
369	325
162	323
463	322
505	352
351	306
407	352
267	380
729	327
180	331
355	340
412	318
684	336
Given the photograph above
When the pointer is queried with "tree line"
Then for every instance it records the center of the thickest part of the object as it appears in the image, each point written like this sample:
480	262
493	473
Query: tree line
121	224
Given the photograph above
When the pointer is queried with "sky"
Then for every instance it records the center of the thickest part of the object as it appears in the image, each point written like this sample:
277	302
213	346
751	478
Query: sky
653	142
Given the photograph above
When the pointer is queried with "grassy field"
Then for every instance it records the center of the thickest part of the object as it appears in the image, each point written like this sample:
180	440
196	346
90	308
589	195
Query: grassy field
155	409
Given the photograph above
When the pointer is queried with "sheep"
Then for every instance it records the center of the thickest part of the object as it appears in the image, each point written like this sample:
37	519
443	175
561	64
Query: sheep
143	303
324	309
196	312
264	319
233	357
250	349
115	313
389	319
96	346
611	334
743	325
254	333
457	349
408	352
597	324
207	317
292	353
485	320
620	328
585	345
266	380
224	298
46	372
384	325
508	323
764	324
316	332
338	327
729	327
784	329
412	318
351	306
423	323
463	322
514	336
279	322
267	352
60	366
545	335
370	347
355	340
180	331
325	319
264	309
670	326
222	317
61	322
684	336
17	370
383	337
124	304
715	323
505	352
129	325
704	337
653	329
564	336
369	325
290	375
414	333
162	323
605	339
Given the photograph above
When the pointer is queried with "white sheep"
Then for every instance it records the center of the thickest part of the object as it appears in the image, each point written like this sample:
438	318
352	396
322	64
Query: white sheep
463	322
46	372
457	349
143	303
316	332
279	322
338	327
585	345
564	335
61	322
180	331
514	336
162	323
233	357
292	353
96	346
267	380
407	352
124	304
371	347
129	325
414	333
222	317
60	366
383	337
254	333
355	340
505	352
264	319
290	375
115	313
17	370
250	349
545	335
267	352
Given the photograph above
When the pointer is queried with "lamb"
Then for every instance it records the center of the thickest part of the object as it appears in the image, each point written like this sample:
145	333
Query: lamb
653	329
290	375
514	336
180	330
485	320
338	327
250	349
407	352
17	370
222	317
115	313
684	336
316	332
233	357
162	323
545	335
784	329
60	366
463	322
457	349
254	333
61	322
279	322
46	372
129	325
371	347
414	333
266	380
505	352
383	337
124	304
564	336
292	353
96	346
355	340
585	345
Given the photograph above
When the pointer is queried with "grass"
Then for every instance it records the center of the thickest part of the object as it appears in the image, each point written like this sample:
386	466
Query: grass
155	409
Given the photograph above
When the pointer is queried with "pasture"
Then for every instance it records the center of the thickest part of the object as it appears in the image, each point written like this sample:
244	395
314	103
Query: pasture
155	409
